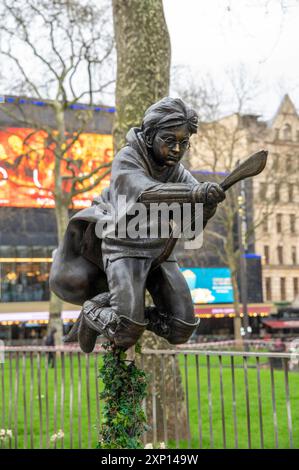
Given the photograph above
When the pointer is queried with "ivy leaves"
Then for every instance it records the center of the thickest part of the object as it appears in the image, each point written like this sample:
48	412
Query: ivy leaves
124	420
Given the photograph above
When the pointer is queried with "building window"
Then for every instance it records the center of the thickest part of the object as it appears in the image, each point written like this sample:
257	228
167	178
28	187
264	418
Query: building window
295	286
291	192
294	255
19	251
287	132
277	133
265	223
279	223
275	161
24	273
263	190
280	254
277	192
297	136
289	163
283	288
292	223
268	288
266	254
24	281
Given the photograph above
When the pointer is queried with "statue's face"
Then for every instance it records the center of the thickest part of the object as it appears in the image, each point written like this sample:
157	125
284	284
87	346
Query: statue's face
170	145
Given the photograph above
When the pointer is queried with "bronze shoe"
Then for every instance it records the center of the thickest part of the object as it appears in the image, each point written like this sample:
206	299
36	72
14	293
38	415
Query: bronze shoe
158	322
180	331
101	300
174	330
96	321
127	332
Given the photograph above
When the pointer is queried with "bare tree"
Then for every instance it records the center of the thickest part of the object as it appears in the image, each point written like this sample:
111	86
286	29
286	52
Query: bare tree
59	52
221	143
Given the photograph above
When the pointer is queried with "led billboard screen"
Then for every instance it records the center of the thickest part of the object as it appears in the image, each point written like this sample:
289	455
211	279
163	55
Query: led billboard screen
209	285
27	166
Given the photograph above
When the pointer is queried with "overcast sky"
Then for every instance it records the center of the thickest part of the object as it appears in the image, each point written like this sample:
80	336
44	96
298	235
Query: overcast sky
213	36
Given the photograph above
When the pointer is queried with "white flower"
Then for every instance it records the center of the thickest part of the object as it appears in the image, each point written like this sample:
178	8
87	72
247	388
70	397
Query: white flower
4	433
59	435
148	446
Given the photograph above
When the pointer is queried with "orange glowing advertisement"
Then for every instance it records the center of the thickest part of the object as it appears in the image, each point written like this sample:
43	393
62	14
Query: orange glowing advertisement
27	167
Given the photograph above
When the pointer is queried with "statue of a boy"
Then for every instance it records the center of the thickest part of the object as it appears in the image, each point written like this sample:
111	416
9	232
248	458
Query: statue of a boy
109	276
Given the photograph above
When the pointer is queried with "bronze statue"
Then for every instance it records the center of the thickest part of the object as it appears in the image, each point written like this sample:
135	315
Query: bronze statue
109	275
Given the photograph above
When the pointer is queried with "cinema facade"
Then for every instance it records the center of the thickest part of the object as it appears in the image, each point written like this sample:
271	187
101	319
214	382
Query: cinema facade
28	228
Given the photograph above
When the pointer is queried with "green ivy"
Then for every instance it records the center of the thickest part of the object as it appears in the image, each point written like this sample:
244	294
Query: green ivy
125	385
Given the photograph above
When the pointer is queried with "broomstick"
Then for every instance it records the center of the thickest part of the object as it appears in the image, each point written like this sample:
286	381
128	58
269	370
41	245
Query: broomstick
252	166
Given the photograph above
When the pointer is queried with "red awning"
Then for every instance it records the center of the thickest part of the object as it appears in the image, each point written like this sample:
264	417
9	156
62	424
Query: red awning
280	324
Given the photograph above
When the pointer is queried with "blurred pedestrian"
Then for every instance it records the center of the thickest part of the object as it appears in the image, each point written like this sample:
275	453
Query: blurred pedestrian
50	341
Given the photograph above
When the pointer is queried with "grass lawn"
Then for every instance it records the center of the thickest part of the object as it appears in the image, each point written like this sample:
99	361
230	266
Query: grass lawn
219	435
43	402
35	413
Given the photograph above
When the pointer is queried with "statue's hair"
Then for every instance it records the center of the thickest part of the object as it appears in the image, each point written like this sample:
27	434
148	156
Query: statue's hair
169	112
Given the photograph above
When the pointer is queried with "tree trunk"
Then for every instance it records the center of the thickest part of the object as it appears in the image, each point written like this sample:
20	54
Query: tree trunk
165	391
143	72
62	202
62	216
143	61
55	306
55	309
237	318
233	262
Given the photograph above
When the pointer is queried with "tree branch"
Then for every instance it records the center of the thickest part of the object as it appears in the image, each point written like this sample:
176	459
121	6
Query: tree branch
89	188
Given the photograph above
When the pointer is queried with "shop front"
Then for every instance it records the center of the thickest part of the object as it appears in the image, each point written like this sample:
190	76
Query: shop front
24	273
30	326
218	319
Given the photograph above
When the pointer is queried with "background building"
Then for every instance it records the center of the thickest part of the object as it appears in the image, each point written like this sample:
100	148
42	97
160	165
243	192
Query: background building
28	232
274	193
277	236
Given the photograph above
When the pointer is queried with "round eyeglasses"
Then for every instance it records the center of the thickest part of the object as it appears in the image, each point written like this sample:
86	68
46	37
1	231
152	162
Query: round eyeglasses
172	143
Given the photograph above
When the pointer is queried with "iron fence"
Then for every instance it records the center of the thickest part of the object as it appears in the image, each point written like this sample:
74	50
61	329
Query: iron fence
49	398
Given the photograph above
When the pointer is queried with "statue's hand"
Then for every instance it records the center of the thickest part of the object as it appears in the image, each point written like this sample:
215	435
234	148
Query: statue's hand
214	194
210	194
